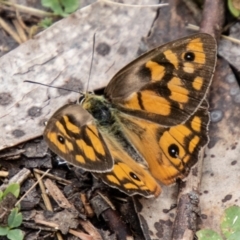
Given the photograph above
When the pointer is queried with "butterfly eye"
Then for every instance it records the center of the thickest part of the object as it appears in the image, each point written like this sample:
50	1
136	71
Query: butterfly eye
134	176
61	139
81	99
189	56
173	150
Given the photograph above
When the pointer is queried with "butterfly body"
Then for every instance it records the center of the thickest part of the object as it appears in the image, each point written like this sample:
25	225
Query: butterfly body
108	121
105	118
149	125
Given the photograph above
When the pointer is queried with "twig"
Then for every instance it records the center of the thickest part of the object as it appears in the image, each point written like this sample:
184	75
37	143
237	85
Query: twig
89	228
20	31
47	223
21	22
60	180
111	217
4	173
59	236
81	234
45	197
10	31
19	178
196	28
235	40
106	200
36	227
12	155
29	190
57	195
87	206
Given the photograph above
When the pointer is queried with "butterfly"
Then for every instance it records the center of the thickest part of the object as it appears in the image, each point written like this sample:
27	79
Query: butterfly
150	123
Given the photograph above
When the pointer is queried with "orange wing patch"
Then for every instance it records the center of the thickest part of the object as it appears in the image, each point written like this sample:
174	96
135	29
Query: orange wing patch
172	58
178	92
87	150
193	143
196	124
80	159
148	101
94	138
197	83
157	70
71	127
127	175
188	67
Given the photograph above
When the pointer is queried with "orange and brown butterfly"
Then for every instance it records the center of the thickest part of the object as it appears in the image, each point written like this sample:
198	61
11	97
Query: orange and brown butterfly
149	125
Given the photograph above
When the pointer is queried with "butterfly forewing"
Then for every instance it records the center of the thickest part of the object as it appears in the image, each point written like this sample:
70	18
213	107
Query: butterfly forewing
72	134
167	84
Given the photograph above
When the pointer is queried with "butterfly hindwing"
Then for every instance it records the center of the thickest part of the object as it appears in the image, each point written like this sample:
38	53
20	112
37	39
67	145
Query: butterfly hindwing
127	175
167	84
168	151
72	134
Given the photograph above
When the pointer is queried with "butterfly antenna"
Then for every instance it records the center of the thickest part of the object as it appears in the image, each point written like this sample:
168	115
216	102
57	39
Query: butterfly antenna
90	71
46	85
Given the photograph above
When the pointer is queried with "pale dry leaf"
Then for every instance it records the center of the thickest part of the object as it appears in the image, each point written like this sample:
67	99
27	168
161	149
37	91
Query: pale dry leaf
61	56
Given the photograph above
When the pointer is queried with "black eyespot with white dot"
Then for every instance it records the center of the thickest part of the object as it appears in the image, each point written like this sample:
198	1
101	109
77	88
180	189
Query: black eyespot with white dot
61	139
134	176
173	150
189	56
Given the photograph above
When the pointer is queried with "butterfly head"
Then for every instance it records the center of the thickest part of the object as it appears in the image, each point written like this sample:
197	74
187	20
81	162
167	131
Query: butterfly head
98	107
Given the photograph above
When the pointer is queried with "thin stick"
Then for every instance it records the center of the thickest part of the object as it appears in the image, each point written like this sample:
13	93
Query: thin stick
196	28
20	31
30	189
4	173
45	197
132	5
60	180
10	31
47	223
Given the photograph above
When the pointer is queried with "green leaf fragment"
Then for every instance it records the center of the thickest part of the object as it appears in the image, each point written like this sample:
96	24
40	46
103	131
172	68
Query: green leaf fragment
46	22
208	234
4	231
61	7
70	5
234	236
54	5
14	218
234	11
231	221
13	188
15	234
1	195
